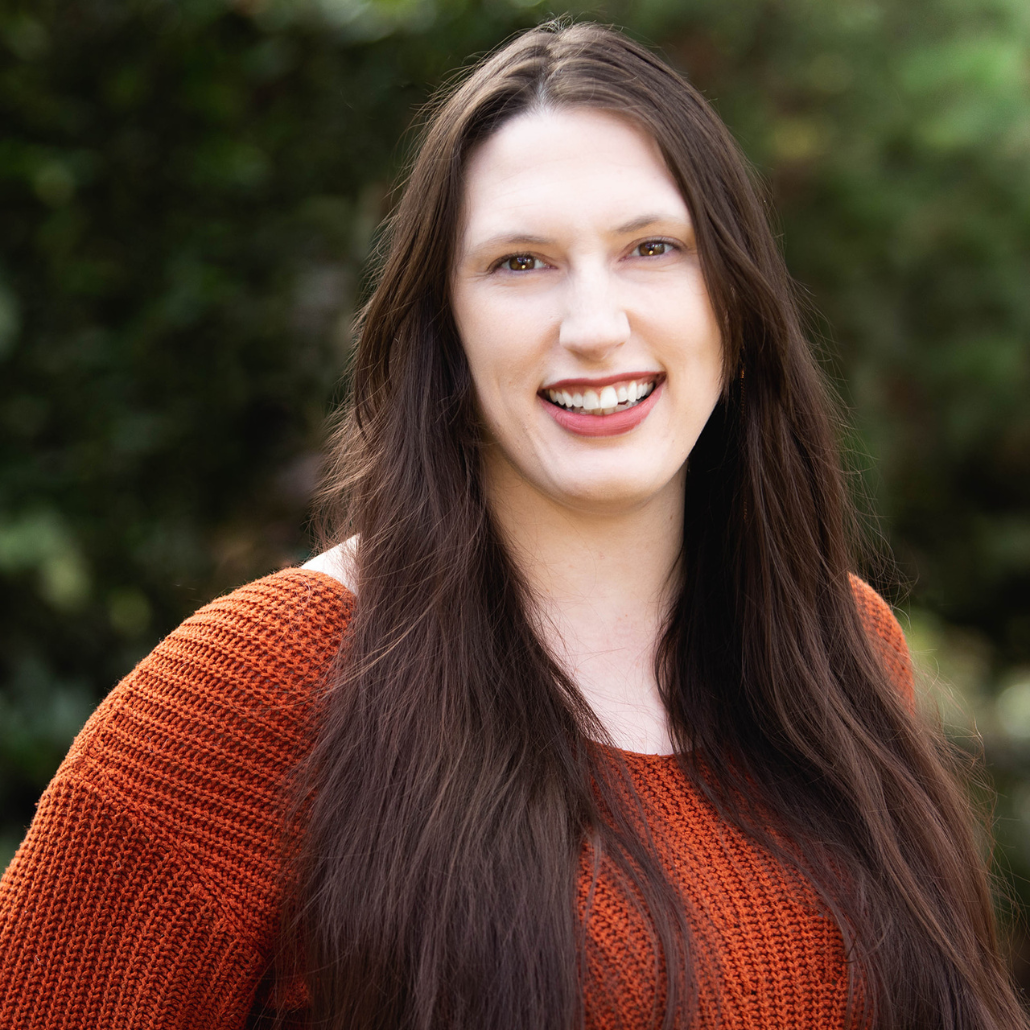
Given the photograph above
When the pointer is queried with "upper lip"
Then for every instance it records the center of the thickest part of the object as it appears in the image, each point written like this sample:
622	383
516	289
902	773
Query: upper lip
602	381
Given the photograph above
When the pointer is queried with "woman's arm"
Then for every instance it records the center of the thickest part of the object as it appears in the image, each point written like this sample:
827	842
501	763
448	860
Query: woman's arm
146	892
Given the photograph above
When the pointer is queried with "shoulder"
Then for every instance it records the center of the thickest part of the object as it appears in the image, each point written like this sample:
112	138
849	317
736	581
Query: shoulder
164	837
264	645
886	635
339	562
199	744
275	634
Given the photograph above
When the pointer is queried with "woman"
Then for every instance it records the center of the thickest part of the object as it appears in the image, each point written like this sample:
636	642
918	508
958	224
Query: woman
586	723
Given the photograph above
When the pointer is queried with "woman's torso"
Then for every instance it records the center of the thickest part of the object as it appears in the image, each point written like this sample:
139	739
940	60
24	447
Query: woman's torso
158	849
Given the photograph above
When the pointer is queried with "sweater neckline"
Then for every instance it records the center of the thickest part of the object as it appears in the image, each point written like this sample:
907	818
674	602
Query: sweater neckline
639	757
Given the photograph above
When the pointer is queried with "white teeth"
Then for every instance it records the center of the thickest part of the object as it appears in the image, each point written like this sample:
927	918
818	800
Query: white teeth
606	400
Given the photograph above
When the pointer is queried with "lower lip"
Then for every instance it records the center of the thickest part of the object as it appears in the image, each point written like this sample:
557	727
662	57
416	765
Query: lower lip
615	424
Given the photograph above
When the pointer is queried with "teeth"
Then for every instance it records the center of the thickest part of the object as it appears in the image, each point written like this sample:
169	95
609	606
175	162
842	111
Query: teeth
605	401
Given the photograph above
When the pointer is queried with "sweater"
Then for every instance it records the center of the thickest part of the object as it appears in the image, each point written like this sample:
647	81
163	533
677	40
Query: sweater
146	892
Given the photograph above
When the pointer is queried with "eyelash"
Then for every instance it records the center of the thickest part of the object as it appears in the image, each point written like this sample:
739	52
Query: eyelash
514	257
657	241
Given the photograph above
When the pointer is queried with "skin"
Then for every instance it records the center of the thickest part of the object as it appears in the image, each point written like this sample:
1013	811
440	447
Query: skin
576	261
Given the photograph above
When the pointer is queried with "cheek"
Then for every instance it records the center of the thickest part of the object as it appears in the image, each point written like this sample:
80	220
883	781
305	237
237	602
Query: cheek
477	326
493	388
488	367
683	329
503	364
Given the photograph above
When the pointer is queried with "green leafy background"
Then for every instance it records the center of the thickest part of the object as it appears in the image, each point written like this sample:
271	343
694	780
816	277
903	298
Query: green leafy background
188	192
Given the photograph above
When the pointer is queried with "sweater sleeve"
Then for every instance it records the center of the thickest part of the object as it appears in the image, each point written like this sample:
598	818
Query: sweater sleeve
145	893
887	638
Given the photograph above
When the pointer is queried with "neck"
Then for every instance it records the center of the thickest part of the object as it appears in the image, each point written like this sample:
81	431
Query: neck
580	559
600	582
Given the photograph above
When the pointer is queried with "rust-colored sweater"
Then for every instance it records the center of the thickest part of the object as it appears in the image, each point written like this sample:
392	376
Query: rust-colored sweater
145	893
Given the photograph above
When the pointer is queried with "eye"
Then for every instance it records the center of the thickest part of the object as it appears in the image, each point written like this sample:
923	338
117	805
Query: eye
520	263
653	248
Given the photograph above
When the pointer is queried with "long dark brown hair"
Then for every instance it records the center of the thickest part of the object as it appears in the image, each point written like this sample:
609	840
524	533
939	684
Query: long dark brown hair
455	781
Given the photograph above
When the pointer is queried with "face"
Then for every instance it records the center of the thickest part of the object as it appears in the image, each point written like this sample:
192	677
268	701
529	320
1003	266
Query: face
579	299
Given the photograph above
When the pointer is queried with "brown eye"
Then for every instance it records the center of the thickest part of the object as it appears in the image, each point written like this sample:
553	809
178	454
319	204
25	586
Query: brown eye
519	263
653	248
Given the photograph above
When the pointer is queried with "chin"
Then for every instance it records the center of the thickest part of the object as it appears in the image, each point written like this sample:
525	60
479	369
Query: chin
607	498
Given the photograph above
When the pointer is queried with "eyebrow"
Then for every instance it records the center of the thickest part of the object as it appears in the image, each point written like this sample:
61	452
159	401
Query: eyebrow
636	224
512	240
528	240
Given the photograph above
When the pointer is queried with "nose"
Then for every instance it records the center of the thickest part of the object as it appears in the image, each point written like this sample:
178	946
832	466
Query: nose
594	322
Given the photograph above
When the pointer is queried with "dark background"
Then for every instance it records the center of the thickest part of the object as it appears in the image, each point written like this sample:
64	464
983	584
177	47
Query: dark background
188	191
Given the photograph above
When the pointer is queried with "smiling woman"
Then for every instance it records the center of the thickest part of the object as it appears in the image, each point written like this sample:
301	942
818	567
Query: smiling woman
606	306
581	719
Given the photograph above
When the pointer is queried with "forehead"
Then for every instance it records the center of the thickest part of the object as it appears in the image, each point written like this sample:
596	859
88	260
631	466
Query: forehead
565	167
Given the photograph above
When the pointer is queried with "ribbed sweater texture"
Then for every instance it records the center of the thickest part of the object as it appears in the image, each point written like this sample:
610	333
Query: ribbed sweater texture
146	892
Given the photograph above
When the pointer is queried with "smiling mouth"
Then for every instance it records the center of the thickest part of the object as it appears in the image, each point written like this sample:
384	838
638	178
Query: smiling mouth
602	400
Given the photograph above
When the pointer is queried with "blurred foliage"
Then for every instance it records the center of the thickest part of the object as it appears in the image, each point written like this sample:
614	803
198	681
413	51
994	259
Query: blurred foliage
188	191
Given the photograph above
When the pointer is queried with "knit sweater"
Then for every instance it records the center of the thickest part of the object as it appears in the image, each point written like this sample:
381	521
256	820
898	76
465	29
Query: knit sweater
146	892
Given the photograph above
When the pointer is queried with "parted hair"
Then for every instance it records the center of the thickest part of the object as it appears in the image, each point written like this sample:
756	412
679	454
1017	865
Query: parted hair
455	779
